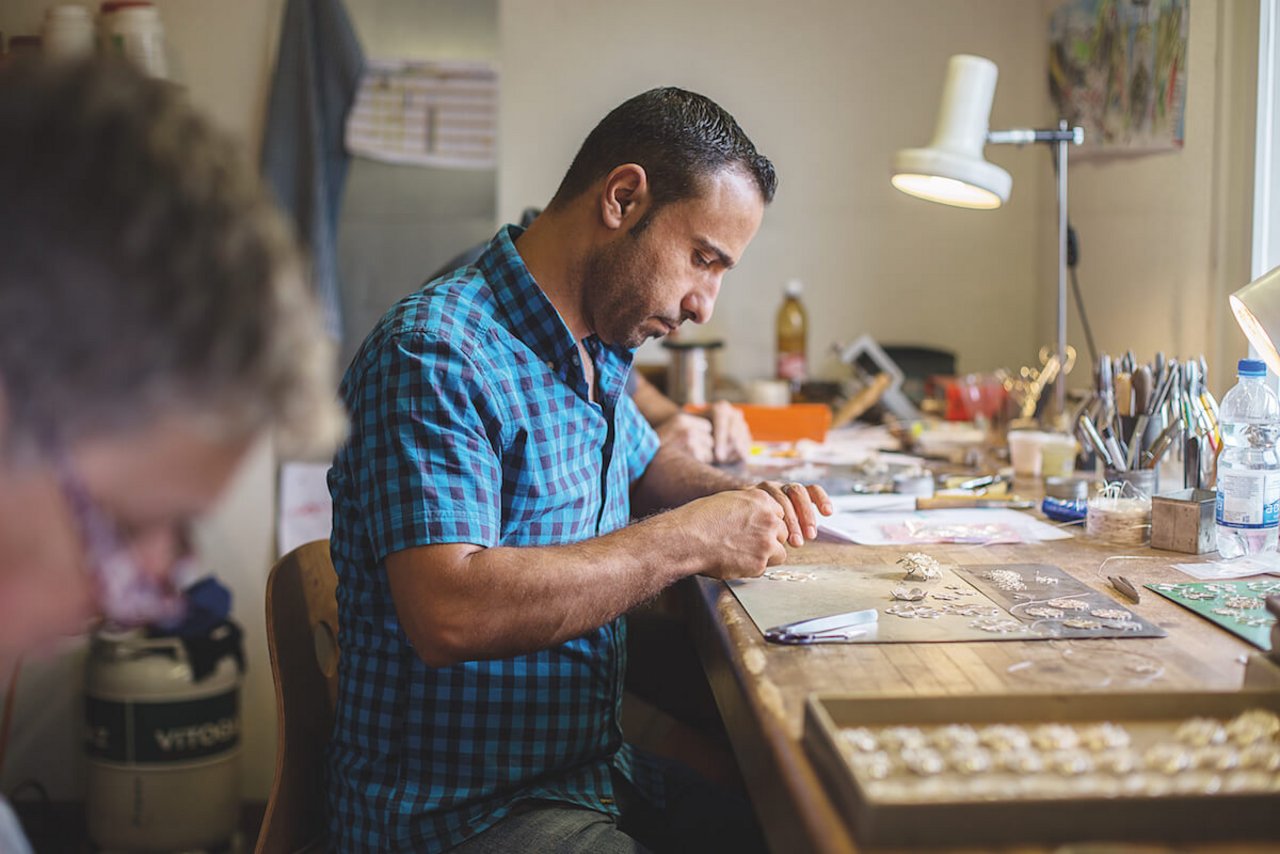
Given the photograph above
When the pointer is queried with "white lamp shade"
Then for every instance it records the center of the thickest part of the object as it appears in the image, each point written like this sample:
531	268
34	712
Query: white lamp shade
1257	310
952	170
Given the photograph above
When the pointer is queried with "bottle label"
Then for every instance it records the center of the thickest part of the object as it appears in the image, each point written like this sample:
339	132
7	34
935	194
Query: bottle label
1248	499
791	366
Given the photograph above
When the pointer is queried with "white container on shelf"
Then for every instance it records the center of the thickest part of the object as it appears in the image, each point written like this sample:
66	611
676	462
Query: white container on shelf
136	33
67	32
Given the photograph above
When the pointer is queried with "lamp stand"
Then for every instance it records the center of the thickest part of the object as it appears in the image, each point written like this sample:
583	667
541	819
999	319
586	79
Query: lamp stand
1060	138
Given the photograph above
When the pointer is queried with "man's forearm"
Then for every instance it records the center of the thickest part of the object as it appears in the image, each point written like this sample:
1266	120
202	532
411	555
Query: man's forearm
674	478
503	601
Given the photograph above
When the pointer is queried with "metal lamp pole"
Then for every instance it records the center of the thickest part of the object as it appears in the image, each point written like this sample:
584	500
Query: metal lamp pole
1060	138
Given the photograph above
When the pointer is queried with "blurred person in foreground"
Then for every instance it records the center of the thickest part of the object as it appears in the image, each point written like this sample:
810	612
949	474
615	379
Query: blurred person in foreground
154	322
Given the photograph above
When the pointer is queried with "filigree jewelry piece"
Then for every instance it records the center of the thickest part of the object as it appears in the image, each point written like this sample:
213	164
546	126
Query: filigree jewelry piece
901	737
875	766
924	761
1004	737
1005	579
1067	604
969	760
1123	625
913	612
914	594
996	625
1244	603
954	736
1055	737
920	567
1110	613
1046	579
860	739
1104	736
788	575
1021	762
1081	623
1253	726
1045	612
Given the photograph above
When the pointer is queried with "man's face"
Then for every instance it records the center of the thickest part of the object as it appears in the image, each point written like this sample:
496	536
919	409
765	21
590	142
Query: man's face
144	488
644	285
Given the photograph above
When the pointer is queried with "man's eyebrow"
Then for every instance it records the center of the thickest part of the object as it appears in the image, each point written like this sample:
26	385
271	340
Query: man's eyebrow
726	260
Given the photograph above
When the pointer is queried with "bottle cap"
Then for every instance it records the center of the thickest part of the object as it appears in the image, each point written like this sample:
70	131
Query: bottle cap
794	287
1251	368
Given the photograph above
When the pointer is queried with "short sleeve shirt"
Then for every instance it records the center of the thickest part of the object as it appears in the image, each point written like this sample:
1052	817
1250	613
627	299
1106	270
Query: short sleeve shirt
471	422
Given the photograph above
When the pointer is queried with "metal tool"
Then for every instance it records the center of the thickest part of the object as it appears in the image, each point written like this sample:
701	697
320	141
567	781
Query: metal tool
1125	588
832	629
1095	439
1142	400
1163	442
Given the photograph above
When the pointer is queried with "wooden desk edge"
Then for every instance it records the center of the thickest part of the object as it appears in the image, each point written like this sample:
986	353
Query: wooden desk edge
802	817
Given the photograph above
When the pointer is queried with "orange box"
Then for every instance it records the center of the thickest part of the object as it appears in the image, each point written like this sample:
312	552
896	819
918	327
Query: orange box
784	423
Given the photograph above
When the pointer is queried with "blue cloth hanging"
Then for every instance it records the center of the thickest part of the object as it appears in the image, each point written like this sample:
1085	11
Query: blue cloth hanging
304	160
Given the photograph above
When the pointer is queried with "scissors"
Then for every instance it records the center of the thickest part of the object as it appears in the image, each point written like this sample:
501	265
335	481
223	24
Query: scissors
833	629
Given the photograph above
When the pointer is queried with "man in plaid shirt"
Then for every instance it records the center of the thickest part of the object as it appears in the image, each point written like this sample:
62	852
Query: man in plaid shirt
481	511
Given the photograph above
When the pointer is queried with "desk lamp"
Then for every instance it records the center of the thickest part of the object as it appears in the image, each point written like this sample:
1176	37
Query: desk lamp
952	170
1257	310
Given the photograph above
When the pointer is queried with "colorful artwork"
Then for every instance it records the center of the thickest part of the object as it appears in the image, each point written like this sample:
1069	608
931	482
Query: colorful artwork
1118	68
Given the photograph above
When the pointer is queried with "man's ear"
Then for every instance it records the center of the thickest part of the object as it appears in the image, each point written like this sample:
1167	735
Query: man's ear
625	196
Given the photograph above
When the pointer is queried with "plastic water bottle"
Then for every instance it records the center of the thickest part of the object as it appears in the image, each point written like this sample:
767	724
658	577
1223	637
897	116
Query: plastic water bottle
1248	506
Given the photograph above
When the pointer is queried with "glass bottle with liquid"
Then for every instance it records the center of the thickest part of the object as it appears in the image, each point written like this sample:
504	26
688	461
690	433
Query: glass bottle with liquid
792	331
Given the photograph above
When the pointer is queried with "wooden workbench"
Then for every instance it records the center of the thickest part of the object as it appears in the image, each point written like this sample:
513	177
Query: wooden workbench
760	687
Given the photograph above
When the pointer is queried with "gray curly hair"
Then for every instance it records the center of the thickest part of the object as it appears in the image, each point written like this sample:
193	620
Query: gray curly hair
144	270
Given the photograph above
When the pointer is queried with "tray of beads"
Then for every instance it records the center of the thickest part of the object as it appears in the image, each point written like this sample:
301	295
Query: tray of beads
1050	767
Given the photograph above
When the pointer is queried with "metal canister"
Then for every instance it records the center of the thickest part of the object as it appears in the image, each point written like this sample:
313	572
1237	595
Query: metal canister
163	748
691	374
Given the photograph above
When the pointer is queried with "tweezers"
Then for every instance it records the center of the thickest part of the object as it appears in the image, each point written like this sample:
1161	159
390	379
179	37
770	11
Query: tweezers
1125	587
833	629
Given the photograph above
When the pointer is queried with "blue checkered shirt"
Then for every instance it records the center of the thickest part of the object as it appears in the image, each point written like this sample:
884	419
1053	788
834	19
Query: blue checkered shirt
471	423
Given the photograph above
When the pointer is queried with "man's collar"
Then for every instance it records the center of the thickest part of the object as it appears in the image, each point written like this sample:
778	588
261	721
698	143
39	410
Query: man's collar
529	313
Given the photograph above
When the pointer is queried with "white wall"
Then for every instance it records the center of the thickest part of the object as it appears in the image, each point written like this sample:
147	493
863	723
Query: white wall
828	89
1164	238
400	224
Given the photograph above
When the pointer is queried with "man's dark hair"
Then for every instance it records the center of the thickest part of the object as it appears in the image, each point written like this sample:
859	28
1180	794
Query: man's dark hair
678	137
143	268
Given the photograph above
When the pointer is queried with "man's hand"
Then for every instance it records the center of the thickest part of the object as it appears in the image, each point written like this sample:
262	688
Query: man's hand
719	435
800	505
729	432
689	434
747	530
740	532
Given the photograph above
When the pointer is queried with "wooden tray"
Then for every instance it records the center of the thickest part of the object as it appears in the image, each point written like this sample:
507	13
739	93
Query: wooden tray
957	822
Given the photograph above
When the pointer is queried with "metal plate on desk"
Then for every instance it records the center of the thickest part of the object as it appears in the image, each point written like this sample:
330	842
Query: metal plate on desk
962	599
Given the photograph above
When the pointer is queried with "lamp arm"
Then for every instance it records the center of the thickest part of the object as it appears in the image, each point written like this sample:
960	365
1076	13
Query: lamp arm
1024	136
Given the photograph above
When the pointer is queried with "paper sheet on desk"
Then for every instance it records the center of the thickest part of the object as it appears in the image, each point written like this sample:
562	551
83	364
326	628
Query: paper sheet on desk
921	527
1241	567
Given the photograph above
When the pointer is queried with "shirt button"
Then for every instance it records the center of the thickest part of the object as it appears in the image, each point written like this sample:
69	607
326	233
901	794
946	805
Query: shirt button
551	366
574	358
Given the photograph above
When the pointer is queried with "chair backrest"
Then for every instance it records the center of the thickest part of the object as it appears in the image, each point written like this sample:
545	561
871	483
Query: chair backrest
302	636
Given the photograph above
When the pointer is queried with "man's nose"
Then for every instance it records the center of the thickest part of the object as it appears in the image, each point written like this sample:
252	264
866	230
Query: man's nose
701	302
